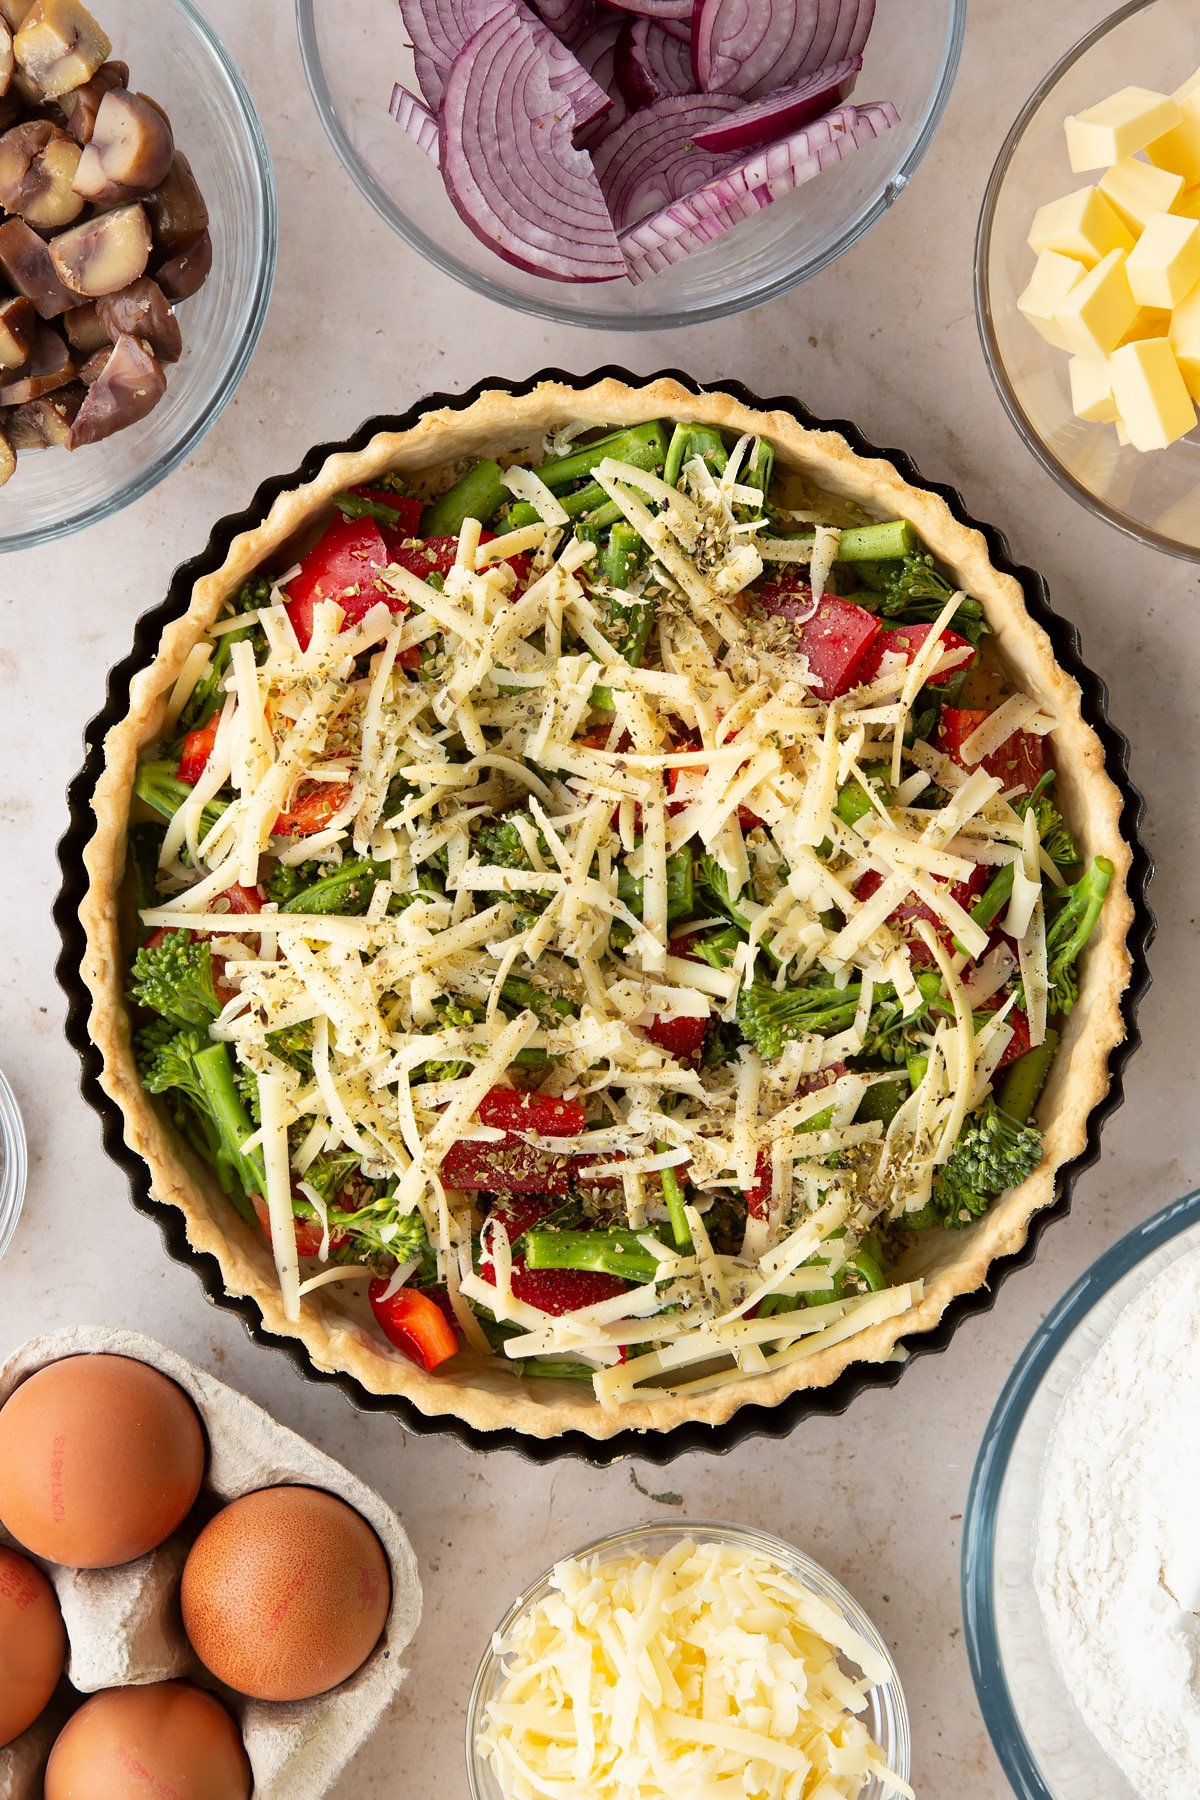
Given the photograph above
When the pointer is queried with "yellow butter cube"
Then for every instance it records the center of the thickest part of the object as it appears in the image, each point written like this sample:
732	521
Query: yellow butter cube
1151	321
1119	126
1099	309
1165	263
1091	391
1179	148
1082	225
1184	337
1052	280
1188	204
1151	394
1137	190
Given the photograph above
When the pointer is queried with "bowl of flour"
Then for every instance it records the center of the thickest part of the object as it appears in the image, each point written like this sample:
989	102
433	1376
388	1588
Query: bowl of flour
1081	1541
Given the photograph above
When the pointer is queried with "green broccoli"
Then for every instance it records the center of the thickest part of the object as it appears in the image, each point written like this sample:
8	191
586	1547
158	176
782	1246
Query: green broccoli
500	845
1053	830
293	1044
770	1017
912	590
286	880
328	1171
993	1153
378	1230
1072	914
145	847
175	979
200	1077
344	889
158	786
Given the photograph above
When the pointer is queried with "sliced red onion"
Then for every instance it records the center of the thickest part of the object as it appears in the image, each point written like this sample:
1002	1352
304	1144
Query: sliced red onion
652	158
413	116
752	47
510	167
440	28
851	38
745	187
649	64
783	112
597	54
662	10
568	18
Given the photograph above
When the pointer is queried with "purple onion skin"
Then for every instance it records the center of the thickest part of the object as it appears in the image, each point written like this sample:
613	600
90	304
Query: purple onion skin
781	113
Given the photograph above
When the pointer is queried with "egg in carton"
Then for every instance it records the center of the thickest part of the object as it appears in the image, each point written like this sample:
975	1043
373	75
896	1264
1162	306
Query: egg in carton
124	1627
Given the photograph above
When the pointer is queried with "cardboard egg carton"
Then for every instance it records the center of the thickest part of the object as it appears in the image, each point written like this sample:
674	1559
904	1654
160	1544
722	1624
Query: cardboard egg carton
124	1627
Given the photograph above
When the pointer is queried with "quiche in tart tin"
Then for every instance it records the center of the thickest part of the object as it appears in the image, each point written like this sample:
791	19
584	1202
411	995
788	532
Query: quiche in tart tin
334	1329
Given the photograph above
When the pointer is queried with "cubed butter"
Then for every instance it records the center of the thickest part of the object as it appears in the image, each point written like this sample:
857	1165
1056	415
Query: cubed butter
1052	280
1082	225
1137	190
1119	126
1164	265
1184	337
1151	321
1099	309
1091	391
1151	394
1179	148
1188	204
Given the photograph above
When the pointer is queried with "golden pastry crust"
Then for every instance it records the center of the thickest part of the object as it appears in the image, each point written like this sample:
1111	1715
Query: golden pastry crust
331	1330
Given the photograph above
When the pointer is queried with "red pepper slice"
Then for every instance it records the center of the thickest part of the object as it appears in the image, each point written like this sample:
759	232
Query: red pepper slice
341	566
243	899
409	511
414	1323
309	1235
1020	761
907	641
509	1167
311	809
508	1109
197	748
758	1196
682	1037
1019	1042
555	1291
904	917
435	556
833	639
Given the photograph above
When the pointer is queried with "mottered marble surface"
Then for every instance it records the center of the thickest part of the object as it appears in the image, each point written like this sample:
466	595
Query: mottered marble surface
886	337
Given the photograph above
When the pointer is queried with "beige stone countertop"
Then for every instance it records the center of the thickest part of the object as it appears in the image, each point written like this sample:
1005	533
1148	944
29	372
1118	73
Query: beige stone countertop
885	337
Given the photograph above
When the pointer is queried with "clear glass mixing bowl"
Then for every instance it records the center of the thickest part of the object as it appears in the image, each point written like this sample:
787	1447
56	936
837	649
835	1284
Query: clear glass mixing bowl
13	1164
352	56
175	56
1045	1747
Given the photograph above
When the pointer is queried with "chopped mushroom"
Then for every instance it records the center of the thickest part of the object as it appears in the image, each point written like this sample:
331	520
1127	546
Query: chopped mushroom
81	106
84	331
104	254
37	166
18	323
13	12
39	424
59	47
49	367
185	273
141	310
130	152
176	208
129	386
25	260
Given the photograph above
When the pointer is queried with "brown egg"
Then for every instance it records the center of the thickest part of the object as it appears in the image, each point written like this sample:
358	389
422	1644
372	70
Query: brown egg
170	1740
285	1593
101	1458
33	1644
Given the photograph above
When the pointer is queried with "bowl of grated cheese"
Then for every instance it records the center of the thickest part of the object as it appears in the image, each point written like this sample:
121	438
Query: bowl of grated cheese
689	1658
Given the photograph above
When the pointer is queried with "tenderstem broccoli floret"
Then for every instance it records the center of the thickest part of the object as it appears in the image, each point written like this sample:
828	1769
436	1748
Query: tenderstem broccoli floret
175	979
1075	915
200	1076
992	1154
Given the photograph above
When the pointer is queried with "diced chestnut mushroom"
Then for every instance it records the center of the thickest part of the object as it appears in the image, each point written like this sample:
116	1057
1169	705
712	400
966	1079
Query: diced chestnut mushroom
18	326
176	208
186	272
25	261
38	424
49	367
81	106
8	458
130	152
104	254
129	386
13	12
37	166
95	365
7	59
84	331
59	46
142	311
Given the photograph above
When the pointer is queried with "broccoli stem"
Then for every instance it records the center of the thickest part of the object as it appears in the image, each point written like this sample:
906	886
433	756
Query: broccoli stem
681	891
357	506
347	890
882	1101
621	554
614	1252
158	786
994	898
644	446
692	440
1025	1079
521	512
672	1190
760	469
479	494
887	542
215	1071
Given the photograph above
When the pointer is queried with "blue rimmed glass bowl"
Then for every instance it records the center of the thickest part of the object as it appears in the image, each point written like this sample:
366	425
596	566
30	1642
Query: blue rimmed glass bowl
1039	1735
352	56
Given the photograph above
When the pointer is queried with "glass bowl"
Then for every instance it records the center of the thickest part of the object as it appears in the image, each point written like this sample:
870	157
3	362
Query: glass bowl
1153	496
1046	1749
174	55
352	56
13	1164
886	1712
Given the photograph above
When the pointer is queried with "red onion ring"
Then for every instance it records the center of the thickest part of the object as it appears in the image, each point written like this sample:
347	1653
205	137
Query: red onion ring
784	112
652	158
740	47
414	117
649	64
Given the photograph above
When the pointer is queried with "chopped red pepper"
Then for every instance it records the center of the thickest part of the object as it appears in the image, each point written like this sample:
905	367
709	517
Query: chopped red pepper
341	566
408	511
907	641
311	809
197	748
309	1234
508	1109
904	917
682	1037
1020	1041
509	1166
555	1291
758	1196
435	556
834	638
243	899
414	1323
1019	762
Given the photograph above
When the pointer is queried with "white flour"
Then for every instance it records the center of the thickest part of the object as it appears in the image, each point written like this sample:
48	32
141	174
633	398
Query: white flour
1117	1564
